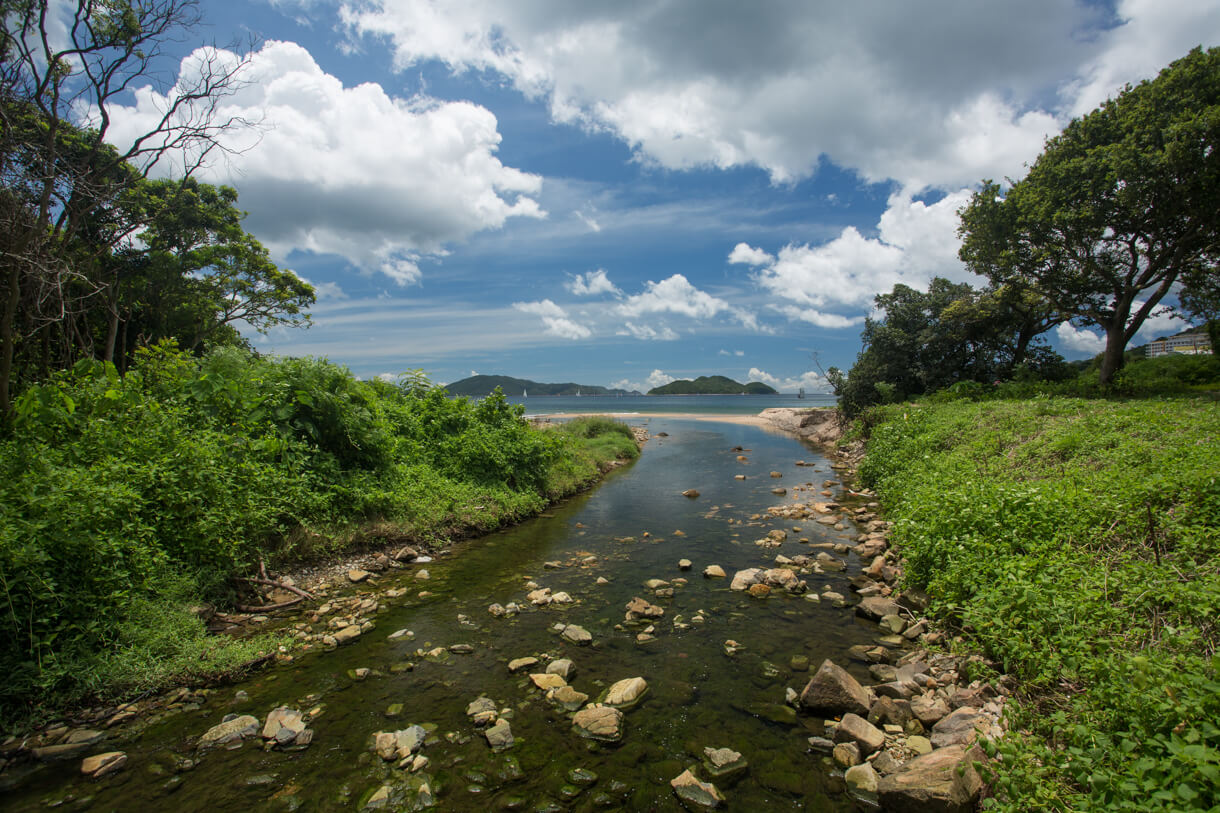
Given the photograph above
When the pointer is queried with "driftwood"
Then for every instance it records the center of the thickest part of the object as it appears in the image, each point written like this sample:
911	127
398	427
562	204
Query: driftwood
250	608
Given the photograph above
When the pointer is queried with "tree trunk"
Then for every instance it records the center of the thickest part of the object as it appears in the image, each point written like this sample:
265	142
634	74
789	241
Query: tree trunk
1112	361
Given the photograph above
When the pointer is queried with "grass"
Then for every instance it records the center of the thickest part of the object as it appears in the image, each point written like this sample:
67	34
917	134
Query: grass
1076	542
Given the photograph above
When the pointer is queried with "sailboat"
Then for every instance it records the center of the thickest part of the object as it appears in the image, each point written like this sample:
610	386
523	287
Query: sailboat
525	393
801	394
578	392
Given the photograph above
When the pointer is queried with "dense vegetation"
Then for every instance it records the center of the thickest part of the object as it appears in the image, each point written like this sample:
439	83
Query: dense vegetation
1077	542
712	385
477	386
123	499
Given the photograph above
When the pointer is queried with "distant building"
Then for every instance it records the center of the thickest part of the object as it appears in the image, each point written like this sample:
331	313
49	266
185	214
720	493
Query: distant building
1191	344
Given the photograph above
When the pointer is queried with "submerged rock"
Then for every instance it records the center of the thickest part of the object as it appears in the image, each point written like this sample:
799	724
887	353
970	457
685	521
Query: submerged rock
723	762
599	723
576	635
232	729
499	736
691	791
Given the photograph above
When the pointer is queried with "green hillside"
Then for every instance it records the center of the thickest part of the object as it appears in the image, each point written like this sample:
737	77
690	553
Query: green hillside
477	386
712	385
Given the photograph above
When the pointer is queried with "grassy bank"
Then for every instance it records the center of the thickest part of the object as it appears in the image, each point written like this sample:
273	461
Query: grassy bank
1077	542
123	500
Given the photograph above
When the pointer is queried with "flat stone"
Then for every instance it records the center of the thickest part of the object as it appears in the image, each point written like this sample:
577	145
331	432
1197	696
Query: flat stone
944	780
356	575
546	681
238	728
517	664
577	635
723	762
877	607
568	697
348	633
693	792
832	690
854	728
599	723
100	765
713	572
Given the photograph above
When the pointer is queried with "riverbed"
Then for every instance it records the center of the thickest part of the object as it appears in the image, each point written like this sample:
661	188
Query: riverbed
717	663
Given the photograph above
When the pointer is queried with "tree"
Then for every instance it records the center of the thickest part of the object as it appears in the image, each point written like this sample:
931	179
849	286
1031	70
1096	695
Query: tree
61	67
1199	299
1116	209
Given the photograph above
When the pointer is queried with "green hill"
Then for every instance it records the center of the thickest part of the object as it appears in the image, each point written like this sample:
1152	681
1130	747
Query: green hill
712	385
477	386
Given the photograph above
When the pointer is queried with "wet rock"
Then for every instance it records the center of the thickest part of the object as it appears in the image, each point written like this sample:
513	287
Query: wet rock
626	693
779	492
846	754
713	572
562	667
397	745
497	611
576	635
894	624
499	736
232	729
599	723
862	778
100	765
944	780
656	584
722	763
517	664
685	564
854	728
877	607
691	493
698	794
481	711
348	633
284	726
638	608
547	681
759	590
742	579
568	697
832	690
540	597
821	744
561	598
423	575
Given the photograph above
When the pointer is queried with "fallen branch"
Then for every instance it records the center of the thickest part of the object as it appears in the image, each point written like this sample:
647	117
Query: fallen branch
280	585
249	608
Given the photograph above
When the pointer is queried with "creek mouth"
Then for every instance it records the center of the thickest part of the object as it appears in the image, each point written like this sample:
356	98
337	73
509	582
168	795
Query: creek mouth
635	527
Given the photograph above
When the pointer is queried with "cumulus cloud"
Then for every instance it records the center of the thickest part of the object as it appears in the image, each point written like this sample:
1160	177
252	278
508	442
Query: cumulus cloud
591	284
745	254
555	319
677	295
658	378
381	181
808	380
1078	340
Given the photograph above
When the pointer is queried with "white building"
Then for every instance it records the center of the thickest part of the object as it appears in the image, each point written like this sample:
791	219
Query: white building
1191	344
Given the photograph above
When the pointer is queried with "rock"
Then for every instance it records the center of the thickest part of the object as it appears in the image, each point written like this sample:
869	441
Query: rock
742	579
540	597
626	692
562	667
779	492
576	635
854	728
356	575
846	754
547	681
561	598
832	690
693	792
569	698
100	765
929	709
348	633
398	745
895	624
684	564
877	607
461	649
656	584
499	736
759	590
638	608
960	727
283	726
380	798
599	723
234	729
713	572
777	474
423	575
890	710
920	745
691	493
862	778
886	763
517	664
723	762
481	711
944	780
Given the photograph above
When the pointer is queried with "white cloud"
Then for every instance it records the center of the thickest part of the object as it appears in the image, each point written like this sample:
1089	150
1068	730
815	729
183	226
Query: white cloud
657	378
381	181
555	319
738	353
743	253
808	380
1162	322
647	333
915	242
673	295
591	284
588	220
1078	340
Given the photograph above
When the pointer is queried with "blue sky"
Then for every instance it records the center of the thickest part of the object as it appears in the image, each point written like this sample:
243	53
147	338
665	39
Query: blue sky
626	193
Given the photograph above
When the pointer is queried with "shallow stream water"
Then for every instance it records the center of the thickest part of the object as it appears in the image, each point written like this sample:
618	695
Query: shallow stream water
698	696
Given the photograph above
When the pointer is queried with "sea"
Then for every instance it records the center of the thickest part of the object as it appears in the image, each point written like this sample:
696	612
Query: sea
629	405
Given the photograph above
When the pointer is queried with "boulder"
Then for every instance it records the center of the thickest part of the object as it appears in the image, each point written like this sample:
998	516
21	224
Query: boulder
713	572
626	692
854	728
862	778
569	698
499	736
943	781
576	635
599	723
832	690
695	793
742	579
230	730
562	667
960	727
877	607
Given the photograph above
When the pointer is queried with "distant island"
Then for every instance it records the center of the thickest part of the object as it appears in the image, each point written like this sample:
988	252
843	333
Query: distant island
478	386
712	385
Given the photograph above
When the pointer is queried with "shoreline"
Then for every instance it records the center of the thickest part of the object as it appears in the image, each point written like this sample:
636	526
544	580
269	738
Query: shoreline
820	425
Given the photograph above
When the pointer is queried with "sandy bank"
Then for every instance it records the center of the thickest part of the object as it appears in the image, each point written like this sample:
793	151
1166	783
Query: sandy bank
816	424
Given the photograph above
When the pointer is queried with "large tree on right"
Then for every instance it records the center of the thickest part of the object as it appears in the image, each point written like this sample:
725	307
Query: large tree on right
1119	208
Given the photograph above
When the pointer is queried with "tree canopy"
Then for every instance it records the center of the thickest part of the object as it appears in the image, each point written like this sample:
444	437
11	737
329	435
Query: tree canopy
1117	210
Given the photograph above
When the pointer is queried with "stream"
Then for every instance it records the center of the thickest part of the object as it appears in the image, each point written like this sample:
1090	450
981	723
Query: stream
633	527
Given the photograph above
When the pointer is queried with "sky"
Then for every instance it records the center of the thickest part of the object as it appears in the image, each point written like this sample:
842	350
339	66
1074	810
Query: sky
626	193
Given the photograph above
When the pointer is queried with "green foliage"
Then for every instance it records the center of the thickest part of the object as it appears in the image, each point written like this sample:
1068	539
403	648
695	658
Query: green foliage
1076	542
188	471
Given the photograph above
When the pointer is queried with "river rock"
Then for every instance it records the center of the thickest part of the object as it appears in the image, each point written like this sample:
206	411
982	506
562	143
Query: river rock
854	728
540	597
232	729
960	727
626	692
877	607
832	690
283	727
638	608
759	590
547	681
713	572
100	765
691	493
862	778
499	736
348	633
723	762
517	664
562	667
599	723
568	697
392	745
942	781
846	754
695	793
929	709
685	564
576	635
742	579
481	711
356	575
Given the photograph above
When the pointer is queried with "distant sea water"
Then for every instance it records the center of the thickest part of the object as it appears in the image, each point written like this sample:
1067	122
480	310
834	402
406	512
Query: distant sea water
665	404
